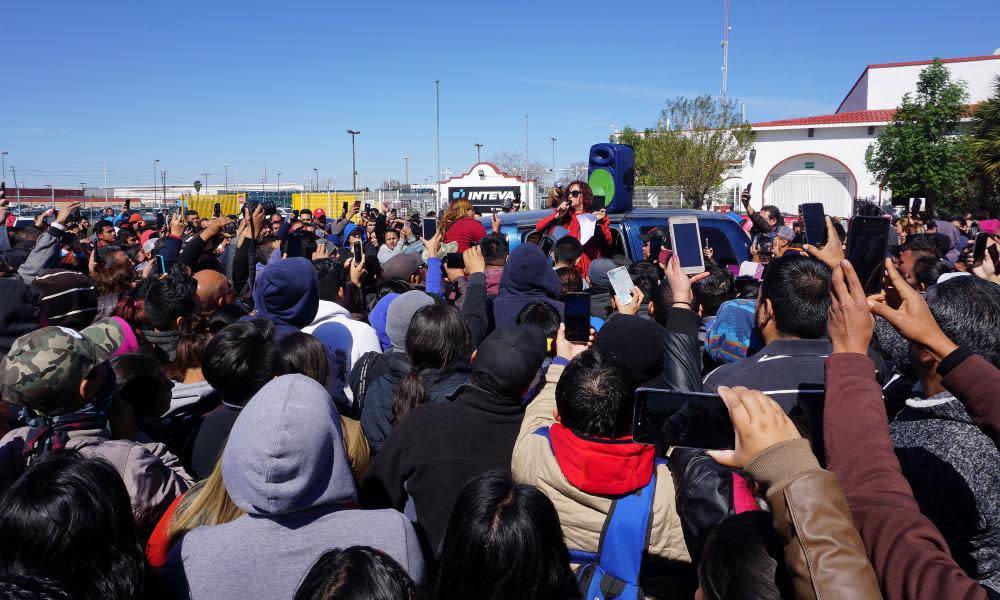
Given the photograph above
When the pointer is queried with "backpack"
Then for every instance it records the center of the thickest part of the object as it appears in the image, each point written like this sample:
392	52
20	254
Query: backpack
613	571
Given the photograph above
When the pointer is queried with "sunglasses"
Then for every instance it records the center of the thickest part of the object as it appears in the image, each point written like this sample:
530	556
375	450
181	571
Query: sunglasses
575	193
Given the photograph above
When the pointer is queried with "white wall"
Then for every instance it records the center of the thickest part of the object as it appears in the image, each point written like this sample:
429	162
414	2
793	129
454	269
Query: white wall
846	144
887	85
490	177
857	98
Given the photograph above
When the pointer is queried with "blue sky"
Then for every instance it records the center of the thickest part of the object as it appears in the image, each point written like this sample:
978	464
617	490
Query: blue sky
251	84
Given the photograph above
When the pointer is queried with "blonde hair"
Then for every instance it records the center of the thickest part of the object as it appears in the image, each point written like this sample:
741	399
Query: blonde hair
206	503
556	196
456	210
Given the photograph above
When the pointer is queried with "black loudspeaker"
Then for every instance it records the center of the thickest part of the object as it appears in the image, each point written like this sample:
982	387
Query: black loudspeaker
612	176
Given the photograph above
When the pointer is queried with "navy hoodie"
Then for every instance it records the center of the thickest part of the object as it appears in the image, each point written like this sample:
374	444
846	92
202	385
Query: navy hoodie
527	277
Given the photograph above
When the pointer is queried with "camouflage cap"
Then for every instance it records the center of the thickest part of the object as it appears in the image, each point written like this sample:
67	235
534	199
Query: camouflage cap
44	368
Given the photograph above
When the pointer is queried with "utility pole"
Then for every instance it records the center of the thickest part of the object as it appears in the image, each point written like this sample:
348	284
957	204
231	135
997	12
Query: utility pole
206	183
479	147
226	167
406	171
105	186
163	177
316	187
725	47
553	160
437	134
83	188
525	153
3	163
52	190
156	168
14	175
354	166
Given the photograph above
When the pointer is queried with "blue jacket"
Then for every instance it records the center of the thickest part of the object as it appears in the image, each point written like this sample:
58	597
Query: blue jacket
527	277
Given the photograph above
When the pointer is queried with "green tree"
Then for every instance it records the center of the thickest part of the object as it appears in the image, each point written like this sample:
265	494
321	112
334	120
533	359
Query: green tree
197	186
986	139
696	143
922	153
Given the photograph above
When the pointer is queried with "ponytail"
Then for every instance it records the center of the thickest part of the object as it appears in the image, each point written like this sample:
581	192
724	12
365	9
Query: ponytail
411	392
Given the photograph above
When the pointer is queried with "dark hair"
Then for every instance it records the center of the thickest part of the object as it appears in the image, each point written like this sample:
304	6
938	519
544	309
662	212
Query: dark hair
588	194
495	250
332	278
567	250
99	227
191	212
265	249
799	290
542	315
386	287
927	270
747	288
137	377
503	540
772	212
356	573
69	518
438	338
113	273
663	301
569	280
646	276
225	315
194	336
304	353
922	243
594	396
241	359
714	290
535	237
17	587
744	559
968	311
867	208
170	298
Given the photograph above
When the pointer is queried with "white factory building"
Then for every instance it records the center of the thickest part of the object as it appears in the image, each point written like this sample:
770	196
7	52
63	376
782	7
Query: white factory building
822	157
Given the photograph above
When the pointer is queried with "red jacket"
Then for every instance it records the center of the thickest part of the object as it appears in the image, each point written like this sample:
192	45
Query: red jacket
910	557
465	231
592	249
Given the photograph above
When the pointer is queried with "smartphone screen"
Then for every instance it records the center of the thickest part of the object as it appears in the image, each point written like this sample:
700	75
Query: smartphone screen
344	209
814	223
217	210
867	240
160	221
621	283
358	254
429	228
690	419
655	245
687	246
576	316
747	188
454	260
598	204
979	250
917	202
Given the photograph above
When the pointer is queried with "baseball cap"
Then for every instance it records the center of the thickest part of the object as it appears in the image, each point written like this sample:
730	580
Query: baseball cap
510	357
45	367
786	233
319	213
135	218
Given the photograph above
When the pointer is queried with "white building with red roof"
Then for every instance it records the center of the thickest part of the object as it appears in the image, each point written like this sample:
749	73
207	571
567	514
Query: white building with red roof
822	158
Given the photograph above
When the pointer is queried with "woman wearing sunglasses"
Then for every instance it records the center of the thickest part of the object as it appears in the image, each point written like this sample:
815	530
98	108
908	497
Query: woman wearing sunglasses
572	215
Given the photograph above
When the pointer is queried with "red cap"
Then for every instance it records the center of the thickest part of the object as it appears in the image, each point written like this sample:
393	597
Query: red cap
135	218
319	213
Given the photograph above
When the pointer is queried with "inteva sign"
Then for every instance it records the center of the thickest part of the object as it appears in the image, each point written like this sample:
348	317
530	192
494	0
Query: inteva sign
489	196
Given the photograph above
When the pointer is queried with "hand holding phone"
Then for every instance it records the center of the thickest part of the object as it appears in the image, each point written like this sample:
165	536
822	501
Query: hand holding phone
357	251
685	237
671	418
576	316
621	284
428	228
758	424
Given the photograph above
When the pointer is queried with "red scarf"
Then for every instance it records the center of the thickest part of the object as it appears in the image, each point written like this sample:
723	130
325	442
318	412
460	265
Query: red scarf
603	467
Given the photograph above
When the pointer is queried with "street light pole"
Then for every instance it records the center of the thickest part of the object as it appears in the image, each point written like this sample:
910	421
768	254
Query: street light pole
478	148
316	187
354	165
406	171
156	168
226	167
3	162
437	104
206	182
553	161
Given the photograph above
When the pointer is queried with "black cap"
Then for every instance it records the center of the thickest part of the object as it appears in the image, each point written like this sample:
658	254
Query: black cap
635	341
510	357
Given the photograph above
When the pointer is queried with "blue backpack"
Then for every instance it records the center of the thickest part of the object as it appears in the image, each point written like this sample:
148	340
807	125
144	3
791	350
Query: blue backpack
613	571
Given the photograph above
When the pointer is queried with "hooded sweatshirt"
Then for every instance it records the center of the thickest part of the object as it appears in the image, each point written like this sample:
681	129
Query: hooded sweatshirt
285	464
19	312
346	338
528	277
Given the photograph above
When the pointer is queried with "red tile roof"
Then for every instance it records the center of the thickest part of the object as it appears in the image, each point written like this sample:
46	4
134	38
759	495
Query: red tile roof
858	116
927	62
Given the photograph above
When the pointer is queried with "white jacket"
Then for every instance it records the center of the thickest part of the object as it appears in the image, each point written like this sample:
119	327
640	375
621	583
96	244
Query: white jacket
347	338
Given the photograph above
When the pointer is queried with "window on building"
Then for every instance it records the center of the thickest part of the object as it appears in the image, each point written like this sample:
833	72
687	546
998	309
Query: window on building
871	130
811	132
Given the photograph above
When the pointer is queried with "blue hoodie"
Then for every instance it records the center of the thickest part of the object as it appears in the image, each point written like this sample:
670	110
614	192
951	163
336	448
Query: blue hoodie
285	464
527	277
287	293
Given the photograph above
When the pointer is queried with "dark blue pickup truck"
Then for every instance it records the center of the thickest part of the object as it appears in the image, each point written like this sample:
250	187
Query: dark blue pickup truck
726	237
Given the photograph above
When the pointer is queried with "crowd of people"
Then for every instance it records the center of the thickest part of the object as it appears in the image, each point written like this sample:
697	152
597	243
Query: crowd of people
259	406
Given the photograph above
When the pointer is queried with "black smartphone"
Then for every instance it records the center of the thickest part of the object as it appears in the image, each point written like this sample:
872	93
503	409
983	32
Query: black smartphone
75	214
979	250
814	223
344	209
128	203
915	208
598	204
576	316
867	241
690	419
428	228
160	221
368	207
747	188
217	210
293	246
454	260
655	245
358	251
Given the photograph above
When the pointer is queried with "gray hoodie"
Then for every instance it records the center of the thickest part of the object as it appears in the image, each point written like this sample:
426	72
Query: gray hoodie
286	465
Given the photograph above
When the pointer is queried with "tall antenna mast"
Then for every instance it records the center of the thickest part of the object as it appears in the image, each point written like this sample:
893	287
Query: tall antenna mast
725	47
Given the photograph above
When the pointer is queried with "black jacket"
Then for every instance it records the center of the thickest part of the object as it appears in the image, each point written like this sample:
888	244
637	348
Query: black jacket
437	449
682	351
211	439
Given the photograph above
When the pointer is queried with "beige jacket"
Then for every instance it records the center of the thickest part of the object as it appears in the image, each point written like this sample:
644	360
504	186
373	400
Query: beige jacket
582	515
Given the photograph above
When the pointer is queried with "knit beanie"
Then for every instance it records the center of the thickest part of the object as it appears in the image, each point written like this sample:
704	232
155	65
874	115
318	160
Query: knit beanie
401	313
68	297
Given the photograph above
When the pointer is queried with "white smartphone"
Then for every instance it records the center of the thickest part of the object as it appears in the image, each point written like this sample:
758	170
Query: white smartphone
685	237
621	283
